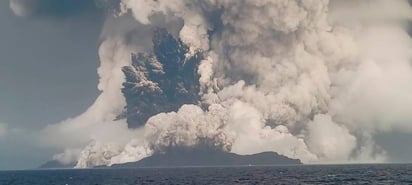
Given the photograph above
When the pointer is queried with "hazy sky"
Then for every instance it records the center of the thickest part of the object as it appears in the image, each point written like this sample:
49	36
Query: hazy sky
47	74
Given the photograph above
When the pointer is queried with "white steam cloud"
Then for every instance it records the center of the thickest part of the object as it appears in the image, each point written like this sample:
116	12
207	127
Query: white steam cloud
68	156
304	78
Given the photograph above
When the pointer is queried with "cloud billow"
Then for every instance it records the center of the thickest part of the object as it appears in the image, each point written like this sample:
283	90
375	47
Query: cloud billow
301	78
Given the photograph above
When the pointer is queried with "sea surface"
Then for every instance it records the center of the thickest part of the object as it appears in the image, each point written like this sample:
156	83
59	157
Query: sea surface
304	174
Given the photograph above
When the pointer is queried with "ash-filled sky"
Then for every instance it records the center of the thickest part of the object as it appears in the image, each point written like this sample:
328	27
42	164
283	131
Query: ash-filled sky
322	81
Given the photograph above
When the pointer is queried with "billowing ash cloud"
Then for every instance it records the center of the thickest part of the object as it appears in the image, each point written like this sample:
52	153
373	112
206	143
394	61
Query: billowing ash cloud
300	77
161	82
67	157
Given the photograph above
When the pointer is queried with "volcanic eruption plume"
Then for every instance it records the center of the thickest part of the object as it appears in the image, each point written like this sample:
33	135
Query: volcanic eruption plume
308	79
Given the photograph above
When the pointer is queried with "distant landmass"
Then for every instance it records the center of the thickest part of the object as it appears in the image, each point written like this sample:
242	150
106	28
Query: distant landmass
185	157
55	164
208	157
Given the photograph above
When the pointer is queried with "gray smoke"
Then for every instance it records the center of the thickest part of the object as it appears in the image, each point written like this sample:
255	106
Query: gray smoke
160	82
309	79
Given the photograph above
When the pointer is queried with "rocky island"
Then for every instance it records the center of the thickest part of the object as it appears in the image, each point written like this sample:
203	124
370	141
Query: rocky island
178	157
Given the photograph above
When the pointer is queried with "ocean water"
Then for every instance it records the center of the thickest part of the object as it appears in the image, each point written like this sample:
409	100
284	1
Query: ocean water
305	174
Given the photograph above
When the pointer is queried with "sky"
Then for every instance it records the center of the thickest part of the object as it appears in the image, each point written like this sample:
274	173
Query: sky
48	73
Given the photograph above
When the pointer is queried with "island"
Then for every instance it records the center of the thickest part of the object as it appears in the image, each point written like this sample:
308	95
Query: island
195	157
55	164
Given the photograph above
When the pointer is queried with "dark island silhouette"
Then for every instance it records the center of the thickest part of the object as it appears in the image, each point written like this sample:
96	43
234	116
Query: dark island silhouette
194	157
186	157
55	164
